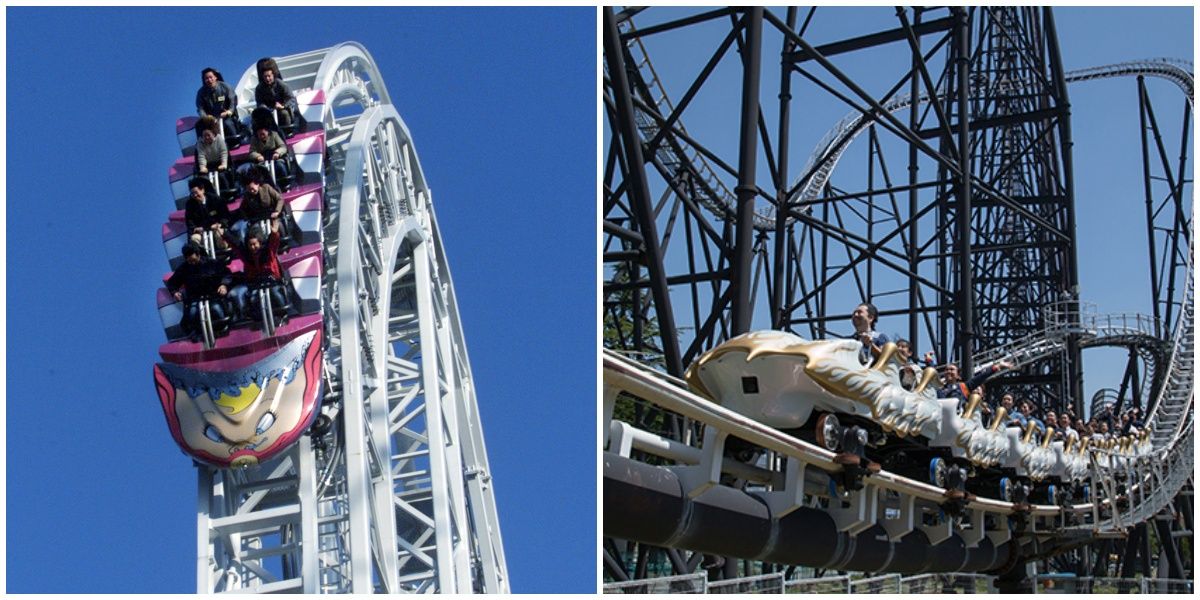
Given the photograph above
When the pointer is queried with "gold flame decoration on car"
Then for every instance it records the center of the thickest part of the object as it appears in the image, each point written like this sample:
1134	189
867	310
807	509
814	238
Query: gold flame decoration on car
826	363
818	365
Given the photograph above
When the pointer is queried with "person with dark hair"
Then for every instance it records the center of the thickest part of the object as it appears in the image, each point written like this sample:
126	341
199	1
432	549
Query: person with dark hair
211	152
1028	408
260	201
954	387
1064	426
910	370
216	99
1136	417
274	94
1015	416
199	277
266	145
864	317
205	211
260	269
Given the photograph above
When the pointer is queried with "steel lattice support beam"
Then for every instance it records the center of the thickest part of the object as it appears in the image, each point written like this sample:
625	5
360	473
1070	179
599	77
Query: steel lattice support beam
822	247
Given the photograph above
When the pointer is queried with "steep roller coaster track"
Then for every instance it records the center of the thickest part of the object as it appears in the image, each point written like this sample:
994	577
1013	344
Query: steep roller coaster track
396	495
709	502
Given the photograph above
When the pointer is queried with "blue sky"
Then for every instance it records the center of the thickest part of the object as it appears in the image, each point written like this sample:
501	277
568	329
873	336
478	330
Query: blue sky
99	498
1110	204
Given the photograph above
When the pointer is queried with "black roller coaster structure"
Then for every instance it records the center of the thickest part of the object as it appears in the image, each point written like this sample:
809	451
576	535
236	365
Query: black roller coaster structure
955	211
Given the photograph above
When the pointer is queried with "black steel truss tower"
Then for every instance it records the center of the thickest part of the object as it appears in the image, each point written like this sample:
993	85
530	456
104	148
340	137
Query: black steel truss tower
730	241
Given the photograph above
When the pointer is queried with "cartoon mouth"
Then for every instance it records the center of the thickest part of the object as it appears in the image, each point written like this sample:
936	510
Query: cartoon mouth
246	446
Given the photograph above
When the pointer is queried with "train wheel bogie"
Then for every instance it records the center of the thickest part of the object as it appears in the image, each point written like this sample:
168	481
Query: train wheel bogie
937	472
828	432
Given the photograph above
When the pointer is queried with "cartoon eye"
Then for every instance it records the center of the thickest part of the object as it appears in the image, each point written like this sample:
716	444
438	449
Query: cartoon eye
265	423
211	433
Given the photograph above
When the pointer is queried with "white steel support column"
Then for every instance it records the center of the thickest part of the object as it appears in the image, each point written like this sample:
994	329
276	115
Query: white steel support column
309	541
433	417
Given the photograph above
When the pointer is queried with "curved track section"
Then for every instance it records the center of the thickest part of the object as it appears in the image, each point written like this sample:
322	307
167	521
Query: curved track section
714	194
717	197
395	496
823	160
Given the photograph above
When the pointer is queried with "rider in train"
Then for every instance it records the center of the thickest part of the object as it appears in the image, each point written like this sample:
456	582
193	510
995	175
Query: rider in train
274	94
205	211
199	277
260	270
864	318
216	99
212	155
268	148
910	371
954	387
261	201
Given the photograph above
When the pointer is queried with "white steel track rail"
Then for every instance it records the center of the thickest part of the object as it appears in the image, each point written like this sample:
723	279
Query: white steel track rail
399	497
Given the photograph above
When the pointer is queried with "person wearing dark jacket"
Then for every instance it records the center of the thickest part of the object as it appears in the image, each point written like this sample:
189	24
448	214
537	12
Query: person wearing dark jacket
274	94
205	211
260	268
216	99
954	387
198	278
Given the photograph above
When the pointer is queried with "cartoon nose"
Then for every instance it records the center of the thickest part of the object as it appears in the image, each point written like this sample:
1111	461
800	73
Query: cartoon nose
244	461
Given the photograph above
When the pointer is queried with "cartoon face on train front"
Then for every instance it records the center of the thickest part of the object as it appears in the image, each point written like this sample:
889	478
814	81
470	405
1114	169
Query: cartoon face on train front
244	416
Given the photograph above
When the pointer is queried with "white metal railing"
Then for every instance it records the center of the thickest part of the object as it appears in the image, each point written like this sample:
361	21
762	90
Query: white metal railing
771	583
1067	317
679	584
880	584
1059	584
948	583
818	585
929	583
641	381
